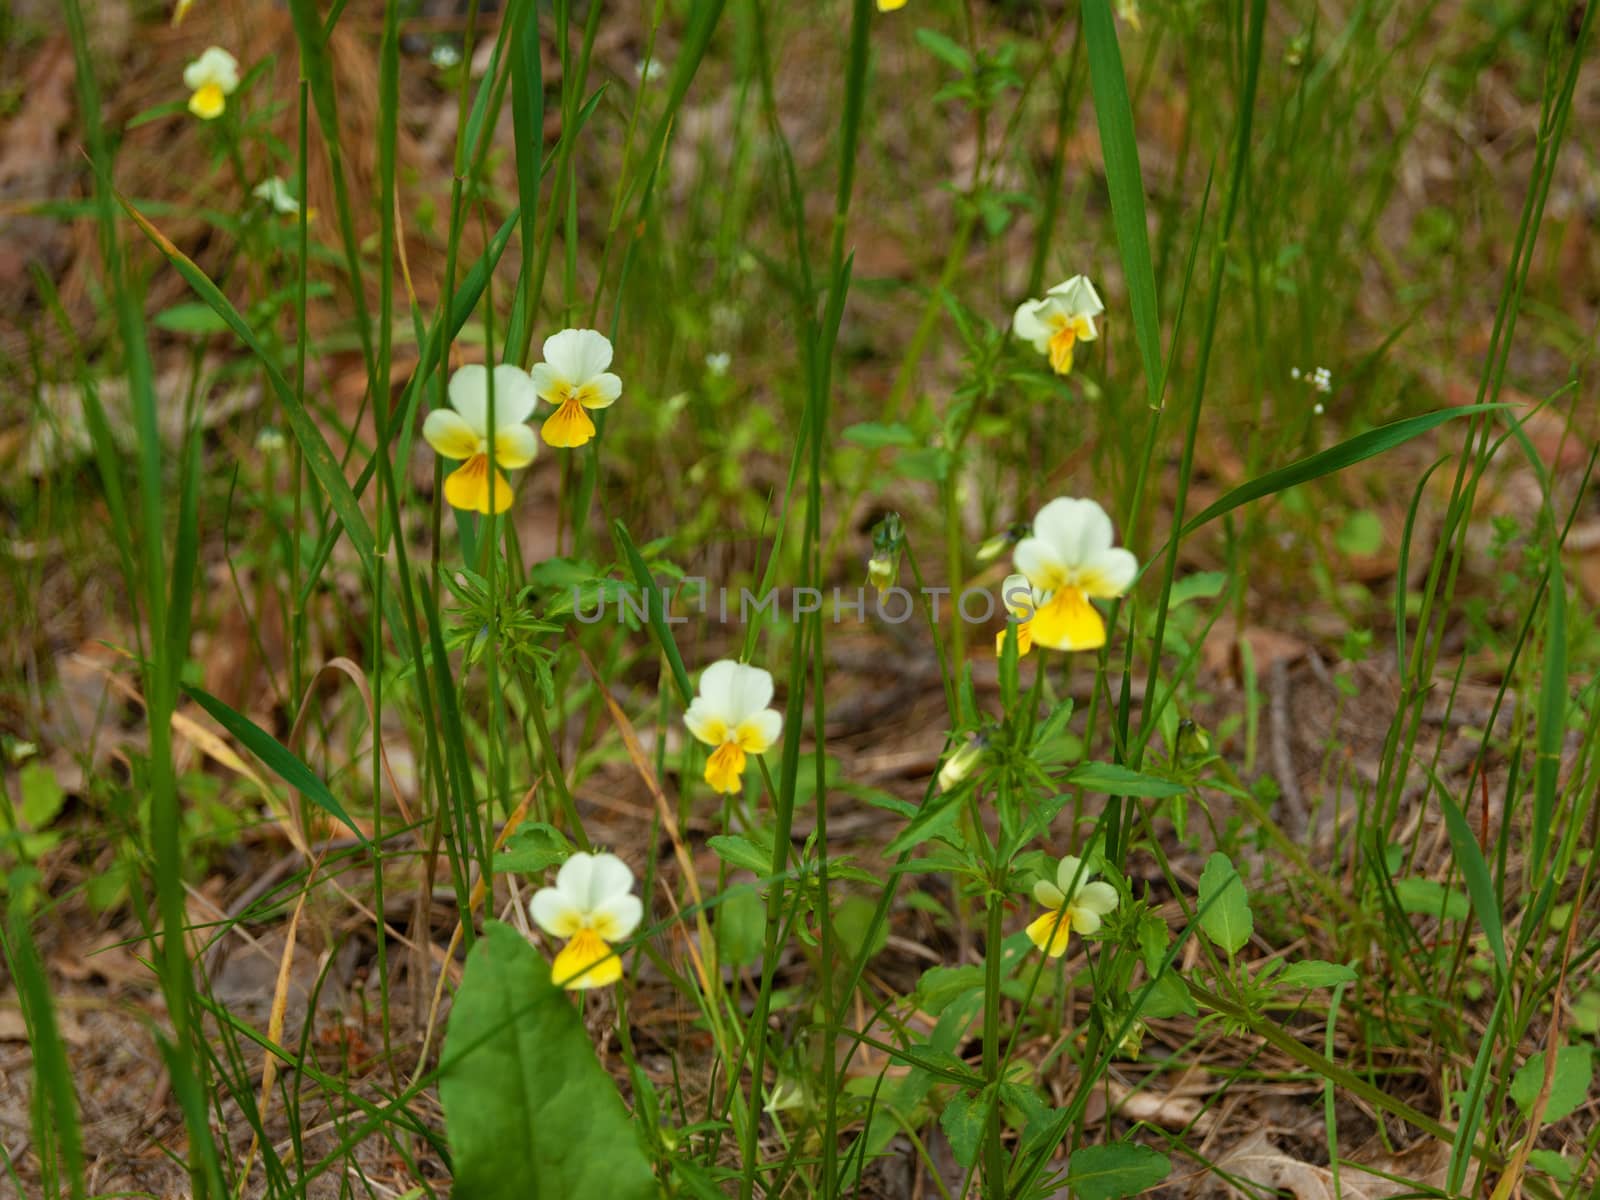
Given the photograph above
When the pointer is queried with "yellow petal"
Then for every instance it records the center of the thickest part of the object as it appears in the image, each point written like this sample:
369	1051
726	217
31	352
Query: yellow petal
1068	622
890	5
586	962
1062	342
468	487
725	768
207	102
568	426
1024	639
1051	932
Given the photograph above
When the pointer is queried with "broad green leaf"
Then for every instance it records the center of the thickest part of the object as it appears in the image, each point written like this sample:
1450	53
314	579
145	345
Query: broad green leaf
1224	905
1360	534
741	852
534	847
1154	938
529	1110
276	756
1426	898
42	797
1118	780
1554	1164
741	925
853	922
1168	997
1120	1169
935	816
189	318
1314	973
874	436
962	1121
952	55
1569	1086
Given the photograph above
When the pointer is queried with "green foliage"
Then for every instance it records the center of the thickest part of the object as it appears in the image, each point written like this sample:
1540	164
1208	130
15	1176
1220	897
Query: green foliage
1224	910
529	1109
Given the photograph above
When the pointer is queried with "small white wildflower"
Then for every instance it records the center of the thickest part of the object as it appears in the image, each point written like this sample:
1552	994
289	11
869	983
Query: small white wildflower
270	441
1322	380
444	56
1317	408
649	71
275	193
718	362
1294	372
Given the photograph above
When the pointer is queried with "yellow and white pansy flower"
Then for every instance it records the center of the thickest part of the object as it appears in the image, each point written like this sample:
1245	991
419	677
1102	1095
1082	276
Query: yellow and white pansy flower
1055	325
1020	601
592	905
461	432
1073	904
731	714
211	79
1069	560
573	377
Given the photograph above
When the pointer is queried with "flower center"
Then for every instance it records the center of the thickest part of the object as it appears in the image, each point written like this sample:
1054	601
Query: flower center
725	767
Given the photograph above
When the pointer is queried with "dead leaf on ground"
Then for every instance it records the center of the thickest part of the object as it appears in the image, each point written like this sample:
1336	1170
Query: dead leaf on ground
1258	1159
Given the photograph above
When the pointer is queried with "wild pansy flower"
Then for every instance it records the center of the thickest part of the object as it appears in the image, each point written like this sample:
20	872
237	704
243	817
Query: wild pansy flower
731	714
573	377
1020	602
1074	906
1055	325
462	432
1068	560
592	904
211	79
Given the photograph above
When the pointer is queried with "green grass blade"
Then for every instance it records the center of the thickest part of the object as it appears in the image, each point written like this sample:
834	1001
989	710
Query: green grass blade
56	1108
1552	725
1120	150
655	610
283	762
1327	462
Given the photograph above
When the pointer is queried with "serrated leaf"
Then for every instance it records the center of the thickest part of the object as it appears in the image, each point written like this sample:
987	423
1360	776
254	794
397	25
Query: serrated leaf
1314	973
529	1110
1116	780
1224	905
962	1121
1120	1169
533	847
1569	1086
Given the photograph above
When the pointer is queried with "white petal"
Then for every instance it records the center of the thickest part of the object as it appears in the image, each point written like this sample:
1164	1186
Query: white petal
578	354
547	381
1048	894
734	691
609	878
554	913
514	396
1085	921
1069	875
1025	323
1078	297
760	731
469	396
572	881
514	446
1078	530
1017	596
625	911
1096	897
449	435
602	390
1114	570
705	724
1040	562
